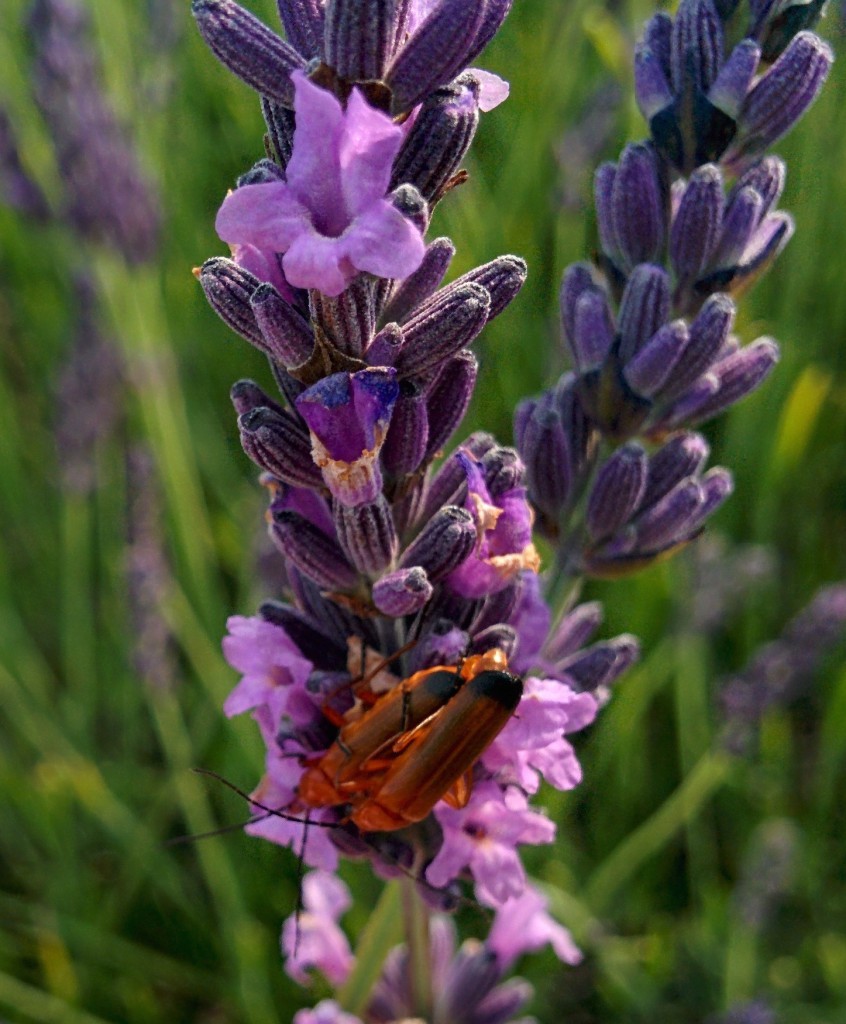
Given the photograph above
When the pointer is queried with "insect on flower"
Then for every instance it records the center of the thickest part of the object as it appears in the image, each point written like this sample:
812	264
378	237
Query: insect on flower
415	745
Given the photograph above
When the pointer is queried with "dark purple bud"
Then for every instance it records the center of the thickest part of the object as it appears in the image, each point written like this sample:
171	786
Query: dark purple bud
603	193
577	279
493	15
732	83
498	607
315	645
280	130
423	282
348	417
545	450
386	346
658	36
696	226
367	535
767	177
412	206
358	38
638	206
442	327
403	592
408	435
617	491
501	635
443	544
643	309
448	398
781	96
671	519
652	87
448	487
708	334
603	663
573	631
229	289
262	173
302	500
277	442
440	137
316	555
697	45
778	23
717	485
435	53
348	320
681	457
502	278
248	48
303	22
593	329
288	338
503	470
650	369
742	216
246	395
443	644
738	376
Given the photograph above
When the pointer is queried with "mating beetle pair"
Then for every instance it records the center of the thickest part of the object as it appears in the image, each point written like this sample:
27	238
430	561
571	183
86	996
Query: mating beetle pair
415	745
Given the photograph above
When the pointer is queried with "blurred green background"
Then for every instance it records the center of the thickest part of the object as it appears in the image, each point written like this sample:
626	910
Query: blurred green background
116	579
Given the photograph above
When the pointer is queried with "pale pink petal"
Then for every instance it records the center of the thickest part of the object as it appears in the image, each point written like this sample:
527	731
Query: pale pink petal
383	242
366	153
316	261
267	216
493	90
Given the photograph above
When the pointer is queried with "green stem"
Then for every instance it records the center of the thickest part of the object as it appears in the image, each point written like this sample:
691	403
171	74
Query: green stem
419	959
383	930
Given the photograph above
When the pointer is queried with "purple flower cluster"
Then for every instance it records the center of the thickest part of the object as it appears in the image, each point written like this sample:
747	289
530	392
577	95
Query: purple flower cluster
687	221
406	571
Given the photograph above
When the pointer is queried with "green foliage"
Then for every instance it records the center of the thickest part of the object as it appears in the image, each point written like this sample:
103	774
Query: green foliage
103	922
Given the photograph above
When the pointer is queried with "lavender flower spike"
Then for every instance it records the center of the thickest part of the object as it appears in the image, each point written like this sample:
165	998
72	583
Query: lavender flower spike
330	216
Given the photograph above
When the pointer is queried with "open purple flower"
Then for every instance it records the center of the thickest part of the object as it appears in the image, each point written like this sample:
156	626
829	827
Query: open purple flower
522	925
330	216
311	938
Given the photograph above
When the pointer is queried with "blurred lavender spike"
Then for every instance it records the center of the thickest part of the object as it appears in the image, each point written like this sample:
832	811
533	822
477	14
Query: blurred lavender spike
106	196
17	188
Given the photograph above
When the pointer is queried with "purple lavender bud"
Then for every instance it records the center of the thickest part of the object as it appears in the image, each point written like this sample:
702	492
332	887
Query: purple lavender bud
602	663
423	282
593	329
280	123
643	309
248	48
778	23
448	398
681	457
650	369
439	139
738	376
499	607
246	395
708	334
603	192
501	635
442	644
743	214
494	13
367	535
767	177
443	544
670	520
403	592
573	631
386	346
638	206
288	338
503	470
441	328
412	206
781	96
261	173
315	554
358	38
229	289
652	87
448	487
316	645
502	278
617	491
276	442
732	83
696	225
435	53
408	435
545	450
658	36
717	486
697	46
349	319
577	279
303	22
348	416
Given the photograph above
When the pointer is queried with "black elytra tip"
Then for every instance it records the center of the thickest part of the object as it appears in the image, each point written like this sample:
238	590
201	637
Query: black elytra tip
501	687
